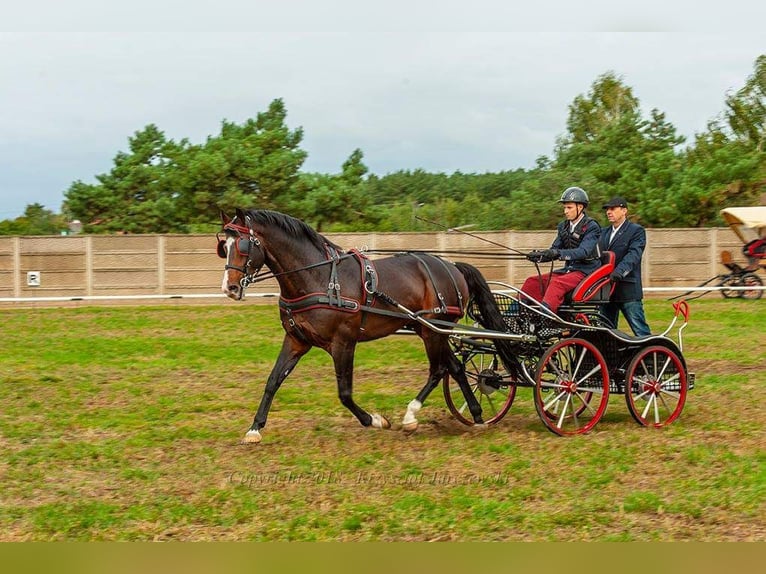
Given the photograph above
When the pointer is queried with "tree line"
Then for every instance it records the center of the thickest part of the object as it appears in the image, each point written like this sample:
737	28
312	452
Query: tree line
609	148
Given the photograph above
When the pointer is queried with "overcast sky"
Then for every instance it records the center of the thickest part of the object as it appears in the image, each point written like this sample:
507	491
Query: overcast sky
444	86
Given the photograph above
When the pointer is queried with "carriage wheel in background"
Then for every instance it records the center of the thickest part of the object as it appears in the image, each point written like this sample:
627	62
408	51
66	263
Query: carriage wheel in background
571	387
750	280
731	281
488	380
655	386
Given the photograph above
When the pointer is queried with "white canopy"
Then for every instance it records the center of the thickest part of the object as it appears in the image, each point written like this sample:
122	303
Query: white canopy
740	219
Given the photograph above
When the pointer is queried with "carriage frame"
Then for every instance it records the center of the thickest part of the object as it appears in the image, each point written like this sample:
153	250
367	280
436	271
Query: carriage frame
573	363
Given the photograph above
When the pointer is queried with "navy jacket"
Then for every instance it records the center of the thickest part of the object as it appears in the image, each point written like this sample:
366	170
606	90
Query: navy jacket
584	257
628	246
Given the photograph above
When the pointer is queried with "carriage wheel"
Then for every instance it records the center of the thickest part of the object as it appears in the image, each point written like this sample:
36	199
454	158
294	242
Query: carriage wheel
750	280
728	293
489	382
555	410
571	387
655	386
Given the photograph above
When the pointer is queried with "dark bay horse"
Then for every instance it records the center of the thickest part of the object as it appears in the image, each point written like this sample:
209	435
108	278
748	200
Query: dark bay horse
333	299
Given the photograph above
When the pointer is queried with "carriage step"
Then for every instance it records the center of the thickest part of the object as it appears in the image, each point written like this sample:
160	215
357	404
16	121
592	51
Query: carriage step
690	380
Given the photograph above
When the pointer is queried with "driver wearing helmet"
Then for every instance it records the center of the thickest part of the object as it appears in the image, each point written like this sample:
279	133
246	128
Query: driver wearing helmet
575	244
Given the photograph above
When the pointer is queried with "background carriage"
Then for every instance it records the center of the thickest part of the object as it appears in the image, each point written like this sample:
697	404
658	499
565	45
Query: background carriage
742	280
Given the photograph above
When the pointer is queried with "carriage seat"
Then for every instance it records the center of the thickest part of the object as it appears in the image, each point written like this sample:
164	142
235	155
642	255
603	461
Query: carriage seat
596	287
728	262
755	252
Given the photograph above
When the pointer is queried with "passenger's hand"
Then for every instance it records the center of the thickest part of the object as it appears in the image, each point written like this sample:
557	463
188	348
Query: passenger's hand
614	276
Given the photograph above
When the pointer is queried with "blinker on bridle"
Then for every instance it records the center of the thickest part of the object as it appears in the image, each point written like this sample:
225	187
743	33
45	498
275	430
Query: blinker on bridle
244	244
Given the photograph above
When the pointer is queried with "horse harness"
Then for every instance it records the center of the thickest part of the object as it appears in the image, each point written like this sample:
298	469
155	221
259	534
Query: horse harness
247	244
333	298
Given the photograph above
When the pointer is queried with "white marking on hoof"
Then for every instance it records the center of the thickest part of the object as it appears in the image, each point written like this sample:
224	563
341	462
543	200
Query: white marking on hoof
380	422
252	437
410	421
410	427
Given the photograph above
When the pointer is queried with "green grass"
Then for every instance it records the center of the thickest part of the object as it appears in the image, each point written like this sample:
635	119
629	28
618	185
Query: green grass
124	424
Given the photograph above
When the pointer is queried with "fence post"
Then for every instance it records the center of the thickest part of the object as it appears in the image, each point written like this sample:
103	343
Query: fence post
17	266
646	272
88	265
442	241
161	264
509	241
713	250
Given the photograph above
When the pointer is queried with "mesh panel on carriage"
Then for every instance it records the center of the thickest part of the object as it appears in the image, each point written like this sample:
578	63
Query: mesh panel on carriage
508	306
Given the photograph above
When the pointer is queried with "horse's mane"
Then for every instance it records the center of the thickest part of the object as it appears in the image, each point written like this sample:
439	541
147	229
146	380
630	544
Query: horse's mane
291	226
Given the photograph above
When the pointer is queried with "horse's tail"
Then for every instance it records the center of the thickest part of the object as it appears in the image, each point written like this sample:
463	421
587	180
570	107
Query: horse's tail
490	316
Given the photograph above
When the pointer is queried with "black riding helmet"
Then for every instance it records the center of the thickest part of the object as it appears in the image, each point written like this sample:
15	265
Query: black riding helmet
574	195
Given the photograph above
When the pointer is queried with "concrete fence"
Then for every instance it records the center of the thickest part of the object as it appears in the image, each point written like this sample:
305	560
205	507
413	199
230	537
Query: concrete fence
104	266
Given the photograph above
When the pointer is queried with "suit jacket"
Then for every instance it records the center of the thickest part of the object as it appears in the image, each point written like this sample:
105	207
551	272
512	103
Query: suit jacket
628	247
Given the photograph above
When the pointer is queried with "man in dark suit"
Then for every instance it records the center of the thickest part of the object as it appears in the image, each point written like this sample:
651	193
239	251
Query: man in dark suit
627	240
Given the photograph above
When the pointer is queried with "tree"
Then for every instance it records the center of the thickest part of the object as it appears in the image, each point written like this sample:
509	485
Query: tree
726	166
161	186
333	202
137	195
36	220
746	109
608	102
612	150
354	169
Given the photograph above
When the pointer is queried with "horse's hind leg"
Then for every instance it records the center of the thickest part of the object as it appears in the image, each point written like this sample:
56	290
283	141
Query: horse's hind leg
457	370
441	360
410	421
292	351
343	357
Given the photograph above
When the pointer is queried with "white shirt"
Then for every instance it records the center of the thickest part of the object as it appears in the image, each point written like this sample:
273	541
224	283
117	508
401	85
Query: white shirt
573	224
614	232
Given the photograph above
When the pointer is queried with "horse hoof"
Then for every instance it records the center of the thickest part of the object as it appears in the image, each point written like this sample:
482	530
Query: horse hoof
252	437
410	427
480	426
380	422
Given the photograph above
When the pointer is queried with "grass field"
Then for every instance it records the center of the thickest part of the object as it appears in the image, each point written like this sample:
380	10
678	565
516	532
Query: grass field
124	423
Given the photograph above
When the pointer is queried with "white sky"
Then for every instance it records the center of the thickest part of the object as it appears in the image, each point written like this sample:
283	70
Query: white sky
440	85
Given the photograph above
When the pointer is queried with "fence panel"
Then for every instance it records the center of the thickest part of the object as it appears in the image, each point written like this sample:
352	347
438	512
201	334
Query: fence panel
178	265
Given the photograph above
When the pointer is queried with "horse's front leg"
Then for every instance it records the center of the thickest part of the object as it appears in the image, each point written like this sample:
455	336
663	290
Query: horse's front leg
343	358
292	351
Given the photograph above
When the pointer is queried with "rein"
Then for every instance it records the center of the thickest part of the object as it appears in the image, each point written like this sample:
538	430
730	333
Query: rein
271	275
447	252
247	239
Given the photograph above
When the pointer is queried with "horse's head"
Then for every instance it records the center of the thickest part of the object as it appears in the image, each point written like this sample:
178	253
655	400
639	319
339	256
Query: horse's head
243	252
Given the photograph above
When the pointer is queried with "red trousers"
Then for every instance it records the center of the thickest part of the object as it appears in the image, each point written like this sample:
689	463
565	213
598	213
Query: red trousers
550	288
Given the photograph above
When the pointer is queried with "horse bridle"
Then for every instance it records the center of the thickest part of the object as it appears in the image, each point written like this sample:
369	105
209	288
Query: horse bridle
245	244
